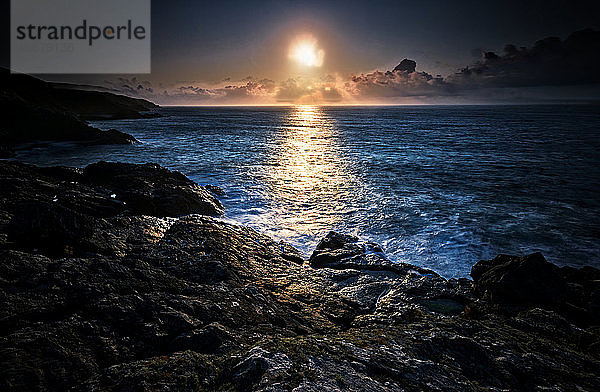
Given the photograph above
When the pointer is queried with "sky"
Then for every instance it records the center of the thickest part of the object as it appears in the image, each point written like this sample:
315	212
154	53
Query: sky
247	52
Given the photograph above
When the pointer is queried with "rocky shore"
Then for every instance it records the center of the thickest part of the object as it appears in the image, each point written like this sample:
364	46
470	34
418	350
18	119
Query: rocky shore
38	112
123	277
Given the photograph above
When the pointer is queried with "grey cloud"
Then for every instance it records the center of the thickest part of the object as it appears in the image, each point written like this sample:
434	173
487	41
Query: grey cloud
403	81
549	62
250	92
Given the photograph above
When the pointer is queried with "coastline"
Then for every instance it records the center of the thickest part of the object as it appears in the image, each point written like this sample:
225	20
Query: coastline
116	275
445	208
300	197
39	112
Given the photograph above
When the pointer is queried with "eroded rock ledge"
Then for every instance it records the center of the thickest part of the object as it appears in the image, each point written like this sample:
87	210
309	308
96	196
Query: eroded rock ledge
115	278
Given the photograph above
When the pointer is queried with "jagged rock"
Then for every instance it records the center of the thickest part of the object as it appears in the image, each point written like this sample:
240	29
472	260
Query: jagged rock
217	191
206	340
532	281
182	371
529	279
56	229
194	303
260	368
342	251
63	210
153	190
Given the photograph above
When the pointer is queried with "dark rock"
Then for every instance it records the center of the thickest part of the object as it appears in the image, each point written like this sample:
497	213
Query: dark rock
153	190
342	251
406	65
91	104
25	123
194	303
62	173
206	340
86	102
35	111
63	210
52	228
182	371
215	190
531	281
258	367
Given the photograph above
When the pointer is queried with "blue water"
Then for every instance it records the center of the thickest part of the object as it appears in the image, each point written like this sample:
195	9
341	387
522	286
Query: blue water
439	187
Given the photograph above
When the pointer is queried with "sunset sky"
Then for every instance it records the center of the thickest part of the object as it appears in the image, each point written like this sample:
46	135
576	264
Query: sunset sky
240	52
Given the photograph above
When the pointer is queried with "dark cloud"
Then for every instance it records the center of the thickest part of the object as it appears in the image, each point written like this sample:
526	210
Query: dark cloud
253	91
476	52
403	81
515	73
549	62
406	65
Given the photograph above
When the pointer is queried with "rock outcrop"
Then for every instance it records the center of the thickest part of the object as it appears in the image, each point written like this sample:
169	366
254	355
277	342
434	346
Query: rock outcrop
58	208
153	190
35	111
514	283
24	123
171	302
85	102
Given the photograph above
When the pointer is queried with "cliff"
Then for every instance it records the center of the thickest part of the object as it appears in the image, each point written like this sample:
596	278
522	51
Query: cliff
35	111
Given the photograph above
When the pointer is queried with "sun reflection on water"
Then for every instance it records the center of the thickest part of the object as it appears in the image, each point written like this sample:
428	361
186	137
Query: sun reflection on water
309	176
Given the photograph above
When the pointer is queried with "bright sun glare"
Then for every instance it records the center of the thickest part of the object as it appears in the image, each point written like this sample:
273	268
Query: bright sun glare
305	52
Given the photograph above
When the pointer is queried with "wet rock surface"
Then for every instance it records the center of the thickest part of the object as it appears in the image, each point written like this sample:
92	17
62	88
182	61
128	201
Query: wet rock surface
512	283
67	211
131	299
153	190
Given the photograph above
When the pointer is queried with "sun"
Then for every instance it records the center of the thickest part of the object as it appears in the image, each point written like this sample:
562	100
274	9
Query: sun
305	51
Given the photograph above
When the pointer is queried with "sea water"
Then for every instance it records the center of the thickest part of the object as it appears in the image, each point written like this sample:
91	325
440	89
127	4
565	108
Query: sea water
437	186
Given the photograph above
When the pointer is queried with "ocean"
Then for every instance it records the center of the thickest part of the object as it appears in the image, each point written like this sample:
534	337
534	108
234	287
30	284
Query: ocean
441	187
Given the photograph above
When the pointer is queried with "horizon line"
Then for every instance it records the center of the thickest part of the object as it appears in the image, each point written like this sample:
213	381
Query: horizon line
540	103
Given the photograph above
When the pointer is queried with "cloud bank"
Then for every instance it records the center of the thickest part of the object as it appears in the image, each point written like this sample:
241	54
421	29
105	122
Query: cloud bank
550	65
550	62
